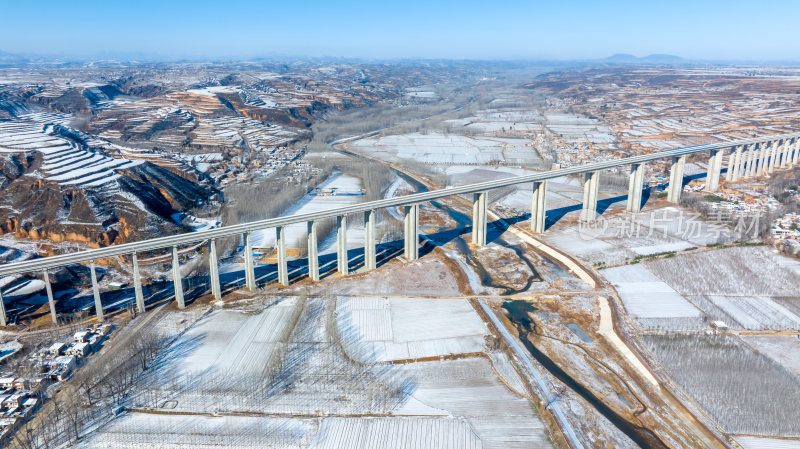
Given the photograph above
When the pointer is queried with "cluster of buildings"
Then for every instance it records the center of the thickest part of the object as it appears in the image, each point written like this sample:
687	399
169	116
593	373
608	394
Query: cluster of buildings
573	155
20	397
275	160
18	401
786	231
59	361
743	205
262	164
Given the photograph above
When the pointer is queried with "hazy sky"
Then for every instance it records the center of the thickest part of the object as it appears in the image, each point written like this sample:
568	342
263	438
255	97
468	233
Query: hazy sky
502	29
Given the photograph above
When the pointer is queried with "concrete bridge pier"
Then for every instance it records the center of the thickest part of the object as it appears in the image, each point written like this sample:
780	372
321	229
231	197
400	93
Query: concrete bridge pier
752	167
734	164
283	268
50	300
796	157
773	155
731	164
745	161
213	270
3	319
370	258
177	281
538	206
313	256
137	283
635	183
714	169
738	166
591	187
762	154
785	153
98	305
411	232
341	245
766	157
479	218
676	179
249	268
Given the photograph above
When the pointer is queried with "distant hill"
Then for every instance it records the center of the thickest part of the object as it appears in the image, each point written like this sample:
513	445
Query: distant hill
11	59
621	58
625	58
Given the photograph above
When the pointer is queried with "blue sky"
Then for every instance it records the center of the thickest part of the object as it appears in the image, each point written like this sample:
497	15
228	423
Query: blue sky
499	29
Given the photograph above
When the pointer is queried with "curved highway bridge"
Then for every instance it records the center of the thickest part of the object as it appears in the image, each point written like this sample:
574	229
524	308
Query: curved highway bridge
746	158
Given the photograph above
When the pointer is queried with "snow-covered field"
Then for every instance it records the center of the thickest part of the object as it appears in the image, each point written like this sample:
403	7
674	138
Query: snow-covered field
744	287
137	430
681	224
646	296
468	174
278	378
737	271
384	329
747	312
494	120
230	342
574	128
784	349
296	234
368	433
615	239
469	388
436	148
741	389
753	442
63	161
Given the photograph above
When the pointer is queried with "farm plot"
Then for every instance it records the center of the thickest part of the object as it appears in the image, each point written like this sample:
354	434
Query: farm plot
63	162
747	312
384	329
737	271
469	388
282	360
296	234
494	120
175	431
650	301
784	349
436	148
678	223
573	128
240	367
597	245
744	391
225	352
232	341
752	442
746	287
464	174
369	433
137	430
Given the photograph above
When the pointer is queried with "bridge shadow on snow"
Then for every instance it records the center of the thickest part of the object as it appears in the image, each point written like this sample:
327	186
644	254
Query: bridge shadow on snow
158	293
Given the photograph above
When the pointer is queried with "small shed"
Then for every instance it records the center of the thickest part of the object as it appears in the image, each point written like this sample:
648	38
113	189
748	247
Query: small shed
719	325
